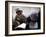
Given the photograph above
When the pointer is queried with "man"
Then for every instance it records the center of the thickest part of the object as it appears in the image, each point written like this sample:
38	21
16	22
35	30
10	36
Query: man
19	19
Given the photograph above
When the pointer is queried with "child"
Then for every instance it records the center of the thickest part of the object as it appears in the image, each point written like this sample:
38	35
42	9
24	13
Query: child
19	19
32	22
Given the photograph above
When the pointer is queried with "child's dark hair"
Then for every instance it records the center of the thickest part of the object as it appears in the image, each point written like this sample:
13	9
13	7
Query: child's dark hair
18	11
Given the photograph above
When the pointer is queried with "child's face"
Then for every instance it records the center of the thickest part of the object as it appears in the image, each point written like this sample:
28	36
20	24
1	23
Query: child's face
19	13
33	18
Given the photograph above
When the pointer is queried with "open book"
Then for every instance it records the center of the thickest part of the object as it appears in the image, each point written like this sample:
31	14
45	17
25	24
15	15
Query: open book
23	25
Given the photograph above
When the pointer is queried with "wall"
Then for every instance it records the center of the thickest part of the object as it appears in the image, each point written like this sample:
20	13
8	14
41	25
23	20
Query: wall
2	19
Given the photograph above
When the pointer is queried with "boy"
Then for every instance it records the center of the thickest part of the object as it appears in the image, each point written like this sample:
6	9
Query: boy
19	19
